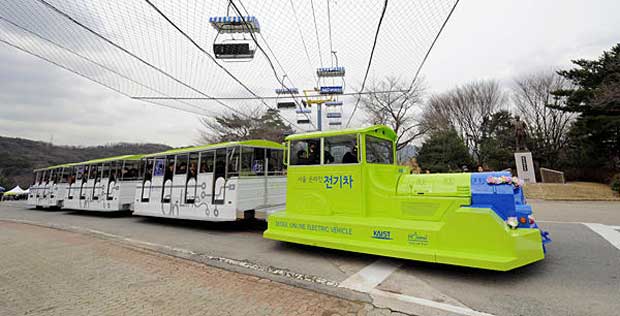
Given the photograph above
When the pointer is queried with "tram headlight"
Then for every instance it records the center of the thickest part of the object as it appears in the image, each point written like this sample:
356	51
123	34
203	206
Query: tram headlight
512	222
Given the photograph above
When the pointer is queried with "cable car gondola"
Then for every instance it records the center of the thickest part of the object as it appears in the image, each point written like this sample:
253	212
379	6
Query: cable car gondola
234	40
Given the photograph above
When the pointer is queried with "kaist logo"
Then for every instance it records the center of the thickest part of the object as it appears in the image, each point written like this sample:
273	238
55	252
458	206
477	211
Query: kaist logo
381	234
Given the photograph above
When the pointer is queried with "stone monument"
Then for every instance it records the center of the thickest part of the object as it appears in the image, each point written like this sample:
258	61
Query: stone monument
523	157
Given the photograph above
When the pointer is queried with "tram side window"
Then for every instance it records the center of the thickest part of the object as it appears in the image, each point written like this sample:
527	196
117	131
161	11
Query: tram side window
148	169
379	150
340	149
169	168
115	167
275	164
53	175
130	170
93	172
181	165
252	161
207	161
192	169
306	152
232	158
80	173
105	170
35	178
58	175
160	167
62	175
72	175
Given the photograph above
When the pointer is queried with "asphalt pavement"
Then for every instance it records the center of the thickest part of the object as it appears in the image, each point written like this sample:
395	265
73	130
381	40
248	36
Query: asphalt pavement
580	275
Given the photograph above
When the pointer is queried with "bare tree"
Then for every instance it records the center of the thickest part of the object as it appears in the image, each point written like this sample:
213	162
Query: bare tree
465	108
255	124
535	103
395	109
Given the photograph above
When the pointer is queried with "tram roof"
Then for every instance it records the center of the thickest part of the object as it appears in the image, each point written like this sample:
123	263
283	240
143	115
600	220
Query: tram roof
93	161
249	143
115	158
380	130
56	166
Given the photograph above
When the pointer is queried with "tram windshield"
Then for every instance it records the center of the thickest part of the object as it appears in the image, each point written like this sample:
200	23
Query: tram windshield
379	150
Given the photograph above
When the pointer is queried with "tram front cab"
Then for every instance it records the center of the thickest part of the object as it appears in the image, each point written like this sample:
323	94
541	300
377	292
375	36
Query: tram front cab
345	191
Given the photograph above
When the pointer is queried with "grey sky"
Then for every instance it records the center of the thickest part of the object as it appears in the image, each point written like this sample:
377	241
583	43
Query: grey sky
484	39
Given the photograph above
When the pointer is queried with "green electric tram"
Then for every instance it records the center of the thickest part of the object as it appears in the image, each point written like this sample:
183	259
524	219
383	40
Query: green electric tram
345	191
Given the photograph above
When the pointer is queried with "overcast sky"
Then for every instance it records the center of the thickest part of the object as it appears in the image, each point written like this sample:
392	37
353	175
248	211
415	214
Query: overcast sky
484	39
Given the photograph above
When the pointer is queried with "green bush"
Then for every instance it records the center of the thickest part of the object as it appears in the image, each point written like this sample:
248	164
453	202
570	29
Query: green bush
615	182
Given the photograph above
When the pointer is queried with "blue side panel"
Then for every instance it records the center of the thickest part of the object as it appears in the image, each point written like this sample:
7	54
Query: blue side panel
500	198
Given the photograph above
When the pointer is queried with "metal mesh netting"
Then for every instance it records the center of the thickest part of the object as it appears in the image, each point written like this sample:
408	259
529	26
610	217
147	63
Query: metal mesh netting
162	51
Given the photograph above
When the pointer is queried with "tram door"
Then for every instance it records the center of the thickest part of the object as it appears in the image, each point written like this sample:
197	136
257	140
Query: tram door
166	192
205	178
110	178
46	180
157	182
147	178
83	183
191	181
101	182
180	178
219	175
94	181
71	182
50	184
53	183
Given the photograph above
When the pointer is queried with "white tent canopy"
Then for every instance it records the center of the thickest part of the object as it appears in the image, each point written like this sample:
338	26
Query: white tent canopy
15	191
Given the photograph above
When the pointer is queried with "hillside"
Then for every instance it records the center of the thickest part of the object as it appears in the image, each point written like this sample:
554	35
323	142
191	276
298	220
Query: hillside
19	156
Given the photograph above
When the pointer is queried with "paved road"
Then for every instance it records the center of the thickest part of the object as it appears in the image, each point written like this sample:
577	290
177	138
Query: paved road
52	272
580	276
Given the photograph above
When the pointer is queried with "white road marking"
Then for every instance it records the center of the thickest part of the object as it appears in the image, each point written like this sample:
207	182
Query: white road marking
372	275
428	303
616	227
369	277
609	233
